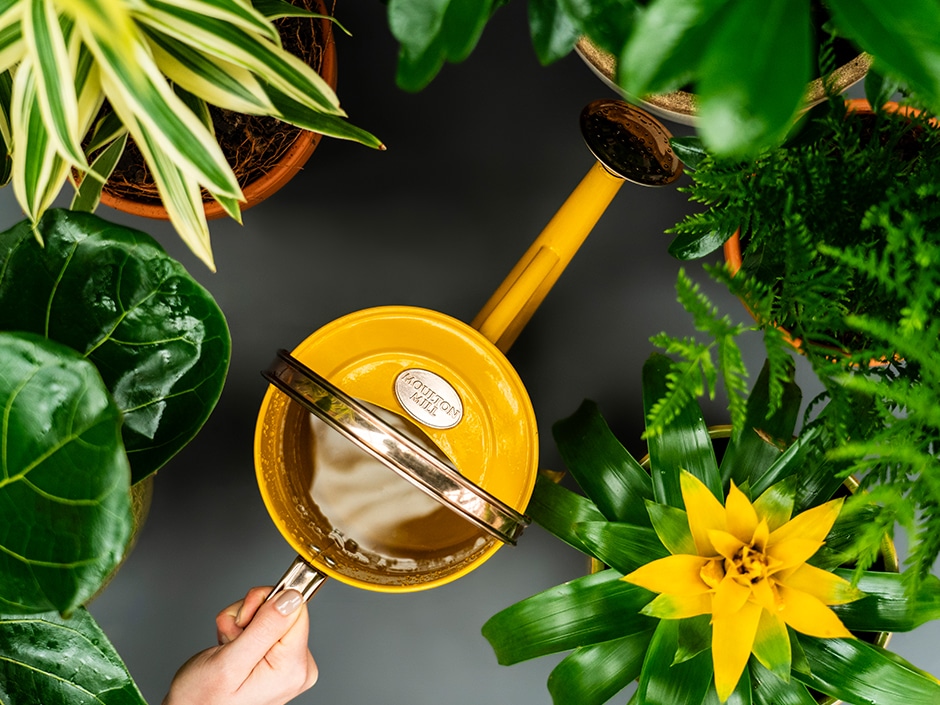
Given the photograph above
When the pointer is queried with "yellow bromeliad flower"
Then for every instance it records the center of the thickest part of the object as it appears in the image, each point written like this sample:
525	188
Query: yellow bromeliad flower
750	573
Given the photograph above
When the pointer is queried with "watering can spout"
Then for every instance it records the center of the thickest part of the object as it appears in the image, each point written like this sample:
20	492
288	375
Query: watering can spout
629	145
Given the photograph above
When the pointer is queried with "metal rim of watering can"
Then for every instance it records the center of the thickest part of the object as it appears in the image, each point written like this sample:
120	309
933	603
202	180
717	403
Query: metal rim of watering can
630	143
396	450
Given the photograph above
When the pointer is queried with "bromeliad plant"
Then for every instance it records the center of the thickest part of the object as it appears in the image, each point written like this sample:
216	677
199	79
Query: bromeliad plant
157	64
111	359
724	581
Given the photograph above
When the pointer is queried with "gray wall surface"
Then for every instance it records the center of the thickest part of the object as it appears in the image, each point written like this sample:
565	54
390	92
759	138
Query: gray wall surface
476	165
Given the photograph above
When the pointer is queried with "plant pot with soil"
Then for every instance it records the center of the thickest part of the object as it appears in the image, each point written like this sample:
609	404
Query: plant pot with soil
158	67
264	152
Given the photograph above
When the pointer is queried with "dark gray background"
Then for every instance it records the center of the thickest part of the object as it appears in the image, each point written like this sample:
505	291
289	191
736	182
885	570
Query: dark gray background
476	165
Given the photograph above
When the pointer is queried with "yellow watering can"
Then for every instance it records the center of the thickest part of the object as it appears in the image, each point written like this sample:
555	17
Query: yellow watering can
396	448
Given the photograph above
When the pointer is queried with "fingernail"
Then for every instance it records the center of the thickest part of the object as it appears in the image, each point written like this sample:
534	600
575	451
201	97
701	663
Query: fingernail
288	601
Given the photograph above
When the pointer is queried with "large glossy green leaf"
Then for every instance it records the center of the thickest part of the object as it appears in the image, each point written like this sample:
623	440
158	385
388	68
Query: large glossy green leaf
49	660
765	435
553	32
737	111
156	336
904	38
607	23
64	477
622	546
664	683
589	610
862	674
888	605
592	675
431	33
559	511
683	445
604	469
668	41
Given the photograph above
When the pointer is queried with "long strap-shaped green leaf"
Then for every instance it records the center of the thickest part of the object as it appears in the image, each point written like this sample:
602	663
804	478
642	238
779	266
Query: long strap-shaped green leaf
625	547
862	674
577	613
55	87
139	93
604	469
592	675
283	70
759	443
684	443
664	683
769	689
888	605
559	510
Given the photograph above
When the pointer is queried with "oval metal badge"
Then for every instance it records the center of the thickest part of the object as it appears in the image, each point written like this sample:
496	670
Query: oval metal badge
428	398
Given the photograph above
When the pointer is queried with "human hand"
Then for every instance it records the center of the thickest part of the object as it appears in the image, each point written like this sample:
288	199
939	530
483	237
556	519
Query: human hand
262	657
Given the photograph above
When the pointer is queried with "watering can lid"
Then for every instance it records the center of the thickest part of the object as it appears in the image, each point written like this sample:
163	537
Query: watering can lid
412	457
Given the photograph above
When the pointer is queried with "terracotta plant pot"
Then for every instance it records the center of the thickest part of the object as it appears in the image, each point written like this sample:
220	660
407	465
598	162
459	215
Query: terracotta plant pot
284	167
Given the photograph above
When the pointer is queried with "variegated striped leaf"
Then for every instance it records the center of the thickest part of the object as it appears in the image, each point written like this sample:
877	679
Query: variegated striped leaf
88	195
143	95
12	47
55	87
242	15
281	69
331	125
38	171
277	9
218	82
179	191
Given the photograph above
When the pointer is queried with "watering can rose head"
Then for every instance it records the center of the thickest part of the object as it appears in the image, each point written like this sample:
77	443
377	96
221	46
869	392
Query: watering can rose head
749	572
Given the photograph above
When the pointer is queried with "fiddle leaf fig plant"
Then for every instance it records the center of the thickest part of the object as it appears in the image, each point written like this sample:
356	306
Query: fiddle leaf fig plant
111	359
32	672
158	339
157	64
65	477
748	63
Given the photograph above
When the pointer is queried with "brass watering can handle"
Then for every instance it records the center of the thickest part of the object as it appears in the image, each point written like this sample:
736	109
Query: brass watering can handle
302	577
630	145
523	290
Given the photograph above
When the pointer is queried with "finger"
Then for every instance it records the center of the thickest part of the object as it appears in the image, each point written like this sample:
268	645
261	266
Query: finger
271	622
231	621
253	600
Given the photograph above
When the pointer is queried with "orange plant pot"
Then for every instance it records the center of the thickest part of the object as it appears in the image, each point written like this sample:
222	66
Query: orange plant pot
269	183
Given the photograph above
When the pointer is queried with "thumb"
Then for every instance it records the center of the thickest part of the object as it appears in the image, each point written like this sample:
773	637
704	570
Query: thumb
271	622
